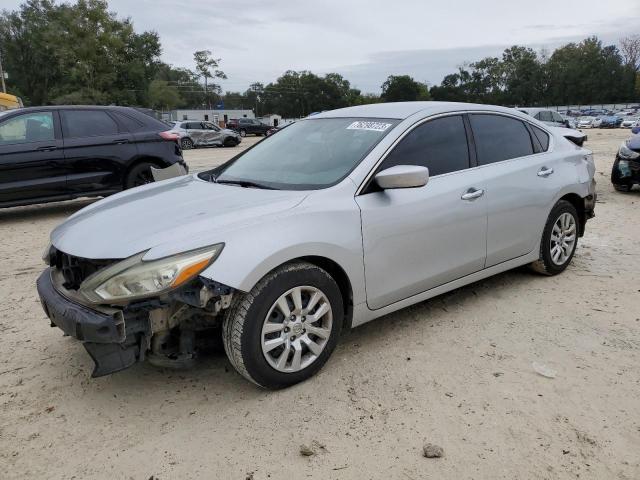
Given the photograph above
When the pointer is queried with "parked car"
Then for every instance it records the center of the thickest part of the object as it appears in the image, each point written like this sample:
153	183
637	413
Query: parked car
570	122
273	130
610	121
589	122
59	153
626	167
546	116
246	126
630	122
340	218
195	134
565	126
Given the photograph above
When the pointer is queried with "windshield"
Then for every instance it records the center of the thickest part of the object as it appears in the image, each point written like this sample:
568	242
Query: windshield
310	154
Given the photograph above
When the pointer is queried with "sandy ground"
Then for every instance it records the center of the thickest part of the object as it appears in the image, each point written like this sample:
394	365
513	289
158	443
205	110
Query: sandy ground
455	371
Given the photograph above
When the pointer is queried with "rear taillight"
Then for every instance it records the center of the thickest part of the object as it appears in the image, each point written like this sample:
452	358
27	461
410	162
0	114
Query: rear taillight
170	136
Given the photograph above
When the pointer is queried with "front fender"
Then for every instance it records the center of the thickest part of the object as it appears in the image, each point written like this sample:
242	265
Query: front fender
324	225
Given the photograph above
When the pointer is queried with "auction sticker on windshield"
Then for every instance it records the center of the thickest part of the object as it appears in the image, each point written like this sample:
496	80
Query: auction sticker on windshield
375	126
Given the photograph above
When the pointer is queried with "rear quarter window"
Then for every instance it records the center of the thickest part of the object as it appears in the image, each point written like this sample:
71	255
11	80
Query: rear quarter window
542	136
130	124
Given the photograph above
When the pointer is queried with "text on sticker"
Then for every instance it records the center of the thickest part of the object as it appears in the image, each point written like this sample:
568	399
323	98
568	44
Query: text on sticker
375	126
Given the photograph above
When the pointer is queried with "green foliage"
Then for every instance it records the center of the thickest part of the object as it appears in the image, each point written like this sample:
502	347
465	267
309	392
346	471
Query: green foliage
163	96
79	52
403	88
296	94
577	73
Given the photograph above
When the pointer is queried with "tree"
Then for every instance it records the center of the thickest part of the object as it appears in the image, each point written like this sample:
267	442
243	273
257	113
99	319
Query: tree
403	88
79	53
630	50
162	96
207	67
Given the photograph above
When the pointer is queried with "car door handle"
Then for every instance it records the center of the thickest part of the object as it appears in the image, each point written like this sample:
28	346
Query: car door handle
472	194
545	172
121	141
48	148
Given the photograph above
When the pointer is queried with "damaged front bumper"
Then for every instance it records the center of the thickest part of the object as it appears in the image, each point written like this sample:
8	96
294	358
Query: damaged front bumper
113	341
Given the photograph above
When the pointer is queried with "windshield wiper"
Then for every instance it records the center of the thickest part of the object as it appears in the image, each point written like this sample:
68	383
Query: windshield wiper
246	184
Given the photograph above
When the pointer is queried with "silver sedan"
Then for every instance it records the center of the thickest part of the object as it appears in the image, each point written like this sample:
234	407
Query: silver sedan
339	219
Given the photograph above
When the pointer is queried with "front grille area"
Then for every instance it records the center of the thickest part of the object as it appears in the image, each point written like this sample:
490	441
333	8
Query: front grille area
75	269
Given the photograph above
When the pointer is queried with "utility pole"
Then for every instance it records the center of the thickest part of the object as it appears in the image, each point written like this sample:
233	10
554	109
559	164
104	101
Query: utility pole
4	88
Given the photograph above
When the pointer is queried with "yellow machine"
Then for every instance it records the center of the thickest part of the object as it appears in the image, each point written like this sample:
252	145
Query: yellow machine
8	101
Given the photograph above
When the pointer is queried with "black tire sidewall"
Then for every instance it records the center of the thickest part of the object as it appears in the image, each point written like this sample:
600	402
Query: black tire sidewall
190	145
545	250
251	347
133	173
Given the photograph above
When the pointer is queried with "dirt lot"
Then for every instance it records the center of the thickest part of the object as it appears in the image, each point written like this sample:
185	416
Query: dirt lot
455	371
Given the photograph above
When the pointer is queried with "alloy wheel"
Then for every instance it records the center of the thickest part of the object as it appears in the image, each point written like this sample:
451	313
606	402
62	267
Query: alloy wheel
296	329
563	238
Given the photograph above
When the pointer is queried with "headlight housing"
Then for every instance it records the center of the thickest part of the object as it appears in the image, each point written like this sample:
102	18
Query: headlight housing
626	153
134	278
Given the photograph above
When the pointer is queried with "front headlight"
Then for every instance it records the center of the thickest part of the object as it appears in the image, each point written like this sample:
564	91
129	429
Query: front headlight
626	153
133	278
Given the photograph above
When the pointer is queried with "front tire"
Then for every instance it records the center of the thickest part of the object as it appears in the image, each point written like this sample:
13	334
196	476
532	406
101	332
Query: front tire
243	133
284	330
559	239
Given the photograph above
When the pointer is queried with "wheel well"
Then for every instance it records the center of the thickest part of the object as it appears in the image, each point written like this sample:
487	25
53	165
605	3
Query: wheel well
156	161
341	278
578	203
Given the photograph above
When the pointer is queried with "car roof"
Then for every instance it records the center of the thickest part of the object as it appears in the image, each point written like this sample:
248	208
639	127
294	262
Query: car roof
77	107
533	111
402	110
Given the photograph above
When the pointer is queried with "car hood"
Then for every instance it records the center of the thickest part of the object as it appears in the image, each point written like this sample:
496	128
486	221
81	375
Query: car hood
172	216
227	131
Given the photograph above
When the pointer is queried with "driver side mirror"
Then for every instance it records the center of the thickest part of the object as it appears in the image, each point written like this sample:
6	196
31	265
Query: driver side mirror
402	176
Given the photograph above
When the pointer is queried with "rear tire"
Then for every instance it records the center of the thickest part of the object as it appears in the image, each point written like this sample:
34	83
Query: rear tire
559	240
268	315
186	144
139	175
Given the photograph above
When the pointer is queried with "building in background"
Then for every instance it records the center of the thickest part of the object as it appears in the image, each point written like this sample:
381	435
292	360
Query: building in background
271	119
219	117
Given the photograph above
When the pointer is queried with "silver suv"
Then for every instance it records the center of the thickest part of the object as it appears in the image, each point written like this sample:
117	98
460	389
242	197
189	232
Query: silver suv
338	219
195	134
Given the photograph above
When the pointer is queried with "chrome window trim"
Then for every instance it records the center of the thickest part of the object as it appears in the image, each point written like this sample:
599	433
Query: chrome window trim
451	114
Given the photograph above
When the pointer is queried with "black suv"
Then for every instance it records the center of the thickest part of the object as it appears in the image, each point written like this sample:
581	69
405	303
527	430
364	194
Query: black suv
246	126
59	153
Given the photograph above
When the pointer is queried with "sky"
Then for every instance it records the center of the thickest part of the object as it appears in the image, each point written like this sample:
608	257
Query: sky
365	40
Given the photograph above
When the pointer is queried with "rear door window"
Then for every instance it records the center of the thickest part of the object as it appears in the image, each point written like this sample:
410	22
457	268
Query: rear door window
440	145
499	138
87	123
